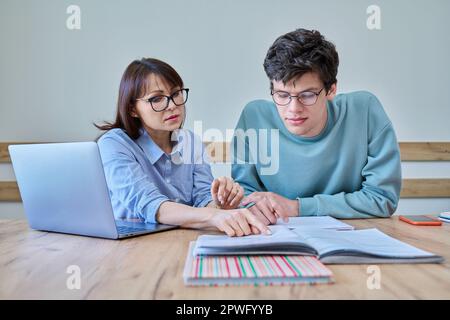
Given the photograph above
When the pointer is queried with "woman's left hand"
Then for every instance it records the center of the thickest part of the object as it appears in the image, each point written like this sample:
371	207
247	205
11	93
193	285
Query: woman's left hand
226	193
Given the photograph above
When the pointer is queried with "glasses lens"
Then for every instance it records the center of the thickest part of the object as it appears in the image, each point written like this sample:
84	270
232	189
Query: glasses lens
281	98
179	97
308	98
159	103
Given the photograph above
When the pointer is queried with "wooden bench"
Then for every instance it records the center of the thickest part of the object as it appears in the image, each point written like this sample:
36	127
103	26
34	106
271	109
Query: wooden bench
410	151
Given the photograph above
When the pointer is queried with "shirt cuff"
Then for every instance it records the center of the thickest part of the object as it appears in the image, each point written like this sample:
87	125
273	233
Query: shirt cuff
308	207
150	210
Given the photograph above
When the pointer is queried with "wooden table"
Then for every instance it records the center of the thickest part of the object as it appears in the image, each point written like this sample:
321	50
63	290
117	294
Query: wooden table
33	265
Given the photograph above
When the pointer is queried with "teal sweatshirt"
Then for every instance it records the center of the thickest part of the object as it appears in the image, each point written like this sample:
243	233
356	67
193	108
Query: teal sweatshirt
350	170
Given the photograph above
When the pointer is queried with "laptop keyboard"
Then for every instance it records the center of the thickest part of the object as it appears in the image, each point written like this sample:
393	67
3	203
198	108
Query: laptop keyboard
128	230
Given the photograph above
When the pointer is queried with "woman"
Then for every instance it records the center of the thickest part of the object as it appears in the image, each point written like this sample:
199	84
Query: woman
157	171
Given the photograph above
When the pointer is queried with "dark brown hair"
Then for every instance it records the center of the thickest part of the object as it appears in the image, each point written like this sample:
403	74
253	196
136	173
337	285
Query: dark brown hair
133	85
299	52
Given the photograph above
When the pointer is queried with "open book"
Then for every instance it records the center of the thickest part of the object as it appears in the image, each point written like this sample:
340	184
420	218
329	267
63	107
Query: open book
329	246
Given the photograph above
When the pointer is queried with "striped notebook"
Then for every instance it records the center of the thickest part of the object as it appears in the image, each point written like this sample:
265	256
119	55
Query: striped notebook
254	270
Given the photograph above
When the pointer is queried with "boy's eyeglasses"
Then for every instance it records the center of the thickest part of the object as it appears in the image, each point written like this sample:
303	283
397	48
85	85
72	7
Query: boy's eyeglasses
306	98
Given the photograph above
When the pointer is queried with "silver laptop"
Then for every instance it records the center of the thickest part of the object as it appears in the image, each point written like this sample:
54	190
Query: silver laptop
63	189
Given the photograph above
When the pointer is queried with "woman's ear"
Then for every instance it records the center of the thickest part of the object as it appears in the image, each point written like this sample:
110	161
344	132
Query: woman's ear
332	92
133	112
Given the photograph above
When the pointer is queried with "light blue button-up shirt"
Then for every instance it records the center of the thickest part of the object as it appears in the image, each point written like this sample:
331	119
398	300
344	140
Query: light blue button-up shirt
141	176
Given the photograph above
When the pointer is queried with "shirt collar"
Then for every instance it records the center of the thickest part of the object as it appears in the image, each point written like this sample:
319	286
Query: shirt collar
153	151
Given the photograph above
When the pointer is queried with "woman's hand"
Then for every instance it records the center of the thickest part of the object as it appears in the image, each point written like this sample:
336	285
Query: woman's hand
238	222
226	193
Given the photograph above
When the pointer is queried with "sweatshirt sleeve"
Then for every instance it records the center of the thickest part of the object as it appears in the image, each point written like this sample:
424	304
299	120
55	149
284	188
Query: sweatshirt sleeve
380	191
243	168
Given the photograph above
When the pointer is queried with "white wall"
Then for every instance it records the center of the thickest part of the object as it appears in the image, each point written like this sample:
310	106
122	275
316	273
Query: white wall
55	82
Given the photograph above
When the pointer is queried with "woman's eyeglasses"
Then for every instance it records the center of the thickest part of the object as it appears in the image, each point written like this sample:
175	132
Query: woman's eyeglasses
161	102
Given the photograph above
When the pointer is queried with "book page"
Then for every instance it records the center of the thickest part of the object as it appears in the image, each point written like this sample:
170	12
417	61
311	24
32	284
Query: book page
369	241
321	222
280	234
282	241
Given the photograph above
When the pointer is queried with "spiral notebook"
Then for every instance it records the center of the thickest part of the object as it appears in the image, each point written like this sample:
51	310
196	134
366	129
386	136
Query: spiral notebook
253	270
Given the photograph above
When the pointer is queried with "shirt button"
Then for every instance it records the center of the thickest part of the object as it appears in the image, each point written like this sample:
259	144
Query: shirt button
168	180
177	200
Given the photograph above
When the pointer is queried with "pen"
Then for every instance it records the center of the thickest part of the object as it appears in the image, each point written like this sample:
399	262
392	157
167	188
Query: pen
248	205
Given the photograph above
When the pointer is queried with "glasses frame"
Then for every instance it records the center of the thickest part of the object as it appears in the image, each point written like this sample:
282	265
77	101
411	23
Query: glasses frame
168	98
272	92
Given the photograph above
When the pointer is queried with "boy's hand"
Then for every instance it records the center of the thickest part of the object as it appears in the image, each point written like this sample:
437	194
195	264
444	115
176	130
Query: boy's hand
270	206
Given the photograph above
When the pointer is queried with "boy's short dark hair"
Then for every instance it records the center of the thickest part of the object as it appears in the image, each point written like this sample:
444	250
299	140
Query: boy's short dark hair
299	52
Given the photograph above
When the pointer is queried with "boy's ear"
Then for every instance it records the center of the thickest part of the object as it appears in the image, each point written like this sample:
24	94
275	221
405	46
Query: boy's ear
332	92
